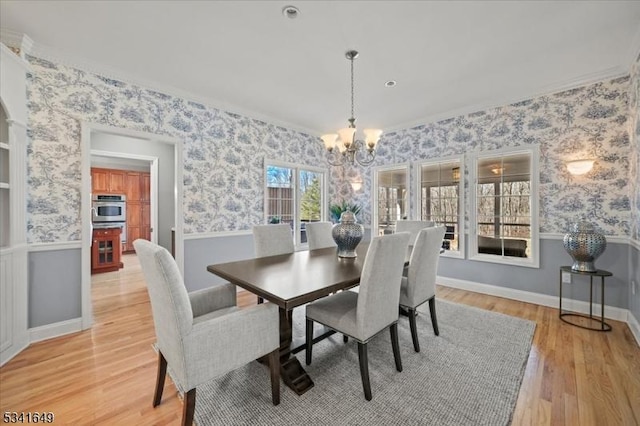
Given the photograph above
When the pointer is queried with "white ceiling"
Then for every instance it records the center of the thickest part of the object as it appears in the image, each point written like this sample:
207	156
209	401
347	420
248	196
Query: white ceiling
448	58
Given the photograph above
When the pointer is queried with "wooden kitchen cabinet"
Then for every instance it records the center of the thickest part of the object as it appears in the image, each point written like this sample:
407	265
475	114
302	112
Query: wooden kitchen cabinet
99	180
105	250
108	181
134	186
138	208
118	182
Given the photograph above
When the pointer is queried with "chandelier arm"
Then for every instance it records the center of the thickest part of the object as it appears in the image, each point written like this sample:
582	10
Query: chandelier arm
340	161
367	156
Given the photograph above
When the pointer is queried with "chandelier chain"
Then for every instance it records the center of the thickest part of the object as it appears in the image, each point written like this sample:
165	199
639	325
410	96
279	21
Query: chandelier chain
352	89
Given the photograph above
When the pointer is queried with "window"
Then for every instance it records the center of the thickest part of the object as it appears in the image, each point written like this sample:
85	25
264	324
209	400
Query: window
505	208
390	197
294	194
441	199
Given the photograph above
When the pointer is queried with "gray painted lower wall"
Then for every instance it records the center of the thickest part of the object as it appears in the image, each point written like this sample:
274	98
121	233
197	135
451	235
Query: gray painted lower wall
634	277
54	286
198	253
201	252
545	280
55	279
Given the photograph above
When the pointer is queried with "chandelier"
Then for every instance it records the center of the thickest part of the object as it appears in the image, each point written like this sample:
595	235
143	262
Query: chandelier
351	150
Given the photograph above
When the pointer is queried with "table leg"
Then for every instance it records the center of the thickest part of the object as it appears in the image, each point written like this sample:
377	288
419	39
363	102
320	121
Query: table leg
291	370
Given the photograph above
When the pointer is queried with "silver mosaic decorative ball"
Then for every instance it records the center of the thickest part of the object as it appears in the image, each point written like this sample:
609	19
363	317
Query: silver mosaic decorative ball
584	245
347	234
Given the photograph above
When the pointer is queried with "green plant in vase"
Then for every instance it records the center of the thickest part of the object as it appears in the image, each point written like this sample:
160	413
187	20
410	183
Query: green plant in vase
337	209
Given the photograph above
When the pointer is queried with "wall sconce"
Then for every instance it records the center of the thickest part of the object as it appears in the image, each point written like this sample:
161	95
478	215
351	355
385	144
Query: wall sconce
356	185
580	167
455	174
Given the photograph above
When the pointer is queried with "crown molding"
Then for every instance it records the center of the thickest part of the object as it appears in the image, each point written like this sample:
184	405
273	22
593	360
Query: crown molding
57	56
20	61
550	89
16	40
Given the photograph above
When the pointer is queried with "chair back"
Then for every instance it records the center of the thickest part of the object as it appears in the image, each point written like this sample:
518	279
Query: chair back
319	235
272	240
379	292
170	305
423	265
412	227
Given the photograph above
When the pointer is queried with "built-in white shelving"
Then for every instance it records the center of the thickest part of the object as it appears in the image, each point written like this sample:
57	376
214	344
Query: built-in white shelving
13	207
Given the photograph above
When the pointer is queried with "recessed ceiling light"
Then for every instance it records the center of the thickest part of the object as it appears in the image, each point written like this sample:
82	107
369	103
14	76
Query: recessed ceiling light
290	12
390	83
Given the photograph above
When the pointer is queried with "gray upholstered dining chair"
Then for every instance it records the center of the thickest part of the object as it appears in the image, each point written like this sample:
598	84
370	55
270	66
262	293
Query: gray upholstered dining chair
374	308
419	285
319	235
202	335
272	240
412	227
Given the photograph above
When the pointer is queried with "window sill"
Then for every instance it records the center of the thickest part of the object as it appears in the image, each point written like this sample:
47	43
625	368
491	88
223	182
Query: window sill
506	260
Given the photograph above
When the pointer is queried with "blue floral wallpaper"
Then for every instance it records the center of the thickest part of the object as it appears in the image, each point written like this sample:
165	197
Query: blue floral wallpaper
590	121
224	152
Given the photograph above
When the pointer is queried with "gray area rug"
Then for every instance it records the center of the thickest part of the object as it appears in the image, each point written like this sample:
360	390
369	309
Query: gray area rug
469	375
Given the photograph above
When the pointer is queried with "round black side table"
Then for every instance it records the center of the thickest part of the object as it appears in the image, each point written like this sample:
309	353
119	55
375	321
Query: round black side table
565	315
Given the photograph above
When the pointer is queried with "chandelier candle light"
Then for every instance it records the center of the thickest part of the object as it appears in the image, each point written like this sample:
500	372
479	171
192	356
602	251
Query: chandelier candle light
350	149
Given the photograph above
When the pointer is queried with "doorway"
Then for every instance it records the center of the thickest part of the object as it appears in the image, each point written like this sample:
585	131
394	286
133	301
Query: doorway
164	157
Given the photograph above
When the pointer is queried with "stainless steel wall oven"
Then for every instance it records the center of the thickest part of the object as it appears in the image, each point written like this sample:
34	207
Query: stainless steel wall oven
108	208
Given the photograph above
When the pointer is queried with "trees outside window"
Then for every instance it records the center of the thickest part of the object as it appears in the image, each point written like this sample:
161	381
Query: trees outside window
441	199
504	209
294	194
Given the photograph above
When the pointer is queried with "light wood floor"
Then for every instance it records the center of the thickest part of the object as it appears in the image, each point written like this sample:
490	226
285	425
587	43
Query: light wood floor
106	375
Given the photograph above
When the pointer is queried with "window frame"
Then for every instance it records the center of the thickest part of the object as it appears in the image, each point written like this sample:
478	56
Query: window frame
375	226
534	178
297	195
417	165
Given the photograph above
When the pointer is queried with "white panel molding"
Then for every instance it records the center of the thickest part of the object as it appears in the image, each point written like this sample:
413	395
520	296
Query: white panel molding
56	329
610	238
579	306
205	235
634	243
6	355
60	245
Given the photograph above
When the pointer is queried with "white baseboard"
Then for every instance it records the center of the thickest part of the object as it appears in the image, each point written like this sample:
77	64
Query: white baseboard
8	354
634	326
610	312
57	329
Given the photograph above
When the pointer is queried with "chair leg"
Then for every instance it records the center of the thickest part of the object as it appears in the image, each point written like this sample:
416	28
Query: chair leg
364	370
396	347
414	329
188	407
260	300
434	319
162	373
309	341
345	338
274	367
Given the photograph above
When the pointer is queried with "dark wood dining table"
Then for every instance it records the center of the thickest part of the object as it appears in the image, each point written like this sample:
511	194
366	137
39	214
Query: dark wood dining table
292	280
